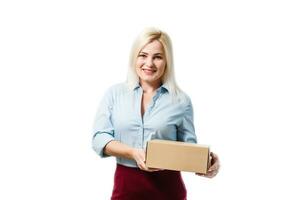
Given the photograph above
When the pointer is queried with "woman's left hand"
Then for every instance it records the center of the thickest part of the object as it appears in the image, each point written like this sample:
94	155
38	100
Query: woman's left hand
214	167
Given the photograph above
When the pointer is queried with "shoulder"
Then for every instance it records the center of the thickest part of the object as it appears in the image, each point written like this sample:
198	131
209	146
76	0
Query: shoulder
184	99
117	92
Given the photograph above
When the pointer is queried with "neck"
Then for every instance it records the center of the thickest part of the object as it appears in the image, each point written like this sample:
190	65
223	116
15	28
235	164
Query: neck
149	87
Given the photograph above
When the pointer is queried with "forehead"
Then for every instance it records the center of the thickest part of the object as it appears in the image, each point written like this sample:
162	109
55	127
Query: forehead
153	47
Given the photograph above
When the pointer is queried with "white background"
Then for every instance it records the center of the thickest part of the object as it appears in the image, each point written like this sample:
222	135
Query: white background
238	61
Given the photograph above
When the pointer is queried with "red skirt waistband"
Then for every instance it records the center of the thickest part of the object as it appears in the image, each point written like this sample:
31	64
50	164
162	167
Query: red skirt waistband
134	184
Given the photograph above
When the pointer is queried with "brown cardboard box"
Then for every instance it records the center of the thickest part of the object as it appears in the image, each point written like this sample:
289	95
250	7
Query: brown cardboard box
179	156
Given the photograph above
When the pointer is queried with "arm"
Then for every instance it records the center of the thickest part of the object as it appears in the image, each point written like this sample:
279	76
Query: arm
186	133
118	149
186	130
104	142
103	130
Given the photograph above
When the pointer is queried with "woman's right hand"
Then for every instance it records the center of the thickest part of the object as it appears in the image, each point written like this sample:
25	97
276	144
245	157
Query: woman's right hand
139	155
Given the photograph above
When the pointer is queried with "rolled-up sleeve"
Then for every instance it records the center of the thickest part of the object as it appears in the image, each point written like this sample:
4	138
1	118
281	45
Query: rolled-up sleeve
186	130
103	131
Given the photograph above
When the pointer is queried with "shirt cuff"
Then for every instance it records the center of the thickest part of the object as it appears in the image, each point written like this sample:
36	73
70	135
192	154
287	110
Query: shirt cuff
99	142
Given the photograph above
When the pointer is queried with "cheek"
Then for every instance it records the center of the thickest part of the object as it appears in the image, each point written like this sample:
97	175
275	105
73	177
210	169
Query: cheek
161	67
161	64
162	71
138	66
138	70
139	62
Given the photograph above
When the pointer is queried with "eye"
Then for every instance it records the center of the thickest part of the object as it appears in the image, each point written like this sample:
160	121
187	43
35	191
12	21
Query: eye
158	57
142	55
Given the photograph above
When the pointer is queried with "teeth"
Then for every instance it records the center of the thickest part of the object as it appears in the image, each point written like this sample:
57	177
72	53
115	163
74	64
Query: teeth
149	70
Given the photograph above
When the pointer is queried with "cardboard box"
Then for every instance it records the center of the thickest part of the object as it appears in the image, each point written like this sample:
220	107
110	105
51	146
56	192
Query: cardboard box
179	156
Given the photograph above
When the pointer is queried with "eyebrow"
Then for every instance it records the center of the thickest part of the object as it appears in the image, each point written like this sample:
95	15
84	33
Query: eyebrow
153	54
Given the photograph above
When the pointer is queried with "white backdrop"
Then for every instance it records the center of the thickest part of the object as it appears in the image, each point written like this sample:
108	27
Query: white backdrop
238	61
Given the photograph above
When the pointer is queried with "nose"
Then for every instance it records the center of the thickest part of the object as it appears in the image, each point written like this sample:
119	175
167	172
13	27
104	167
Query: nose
149	62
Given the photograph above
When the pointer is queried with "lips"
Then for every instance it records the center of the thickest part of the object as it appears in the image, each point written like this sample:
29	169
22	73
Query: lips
148	71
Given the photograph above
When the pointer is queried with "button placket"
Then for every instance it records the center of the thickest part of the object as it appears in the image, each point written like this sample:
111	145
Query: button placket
141	118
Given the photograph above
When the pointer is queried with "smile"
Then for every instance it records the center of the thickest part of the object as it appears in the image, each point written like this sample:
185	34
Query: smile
149	71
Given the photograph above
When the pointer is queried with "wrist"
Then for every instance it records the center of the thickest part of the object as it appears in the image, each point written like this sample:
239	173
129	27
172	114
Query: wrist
130	153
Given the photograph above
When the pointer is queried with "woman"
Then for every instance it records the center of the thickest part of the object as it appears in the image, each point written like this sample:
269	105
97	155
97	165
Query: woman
149	105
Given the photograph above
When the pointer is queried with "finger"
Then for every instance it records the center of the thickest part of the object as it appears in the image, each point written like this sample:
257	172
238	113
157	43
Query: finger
152	170
200	174
214	156
140	166
214	167
142	157
155	169
144	167
212	171
141	163
211	174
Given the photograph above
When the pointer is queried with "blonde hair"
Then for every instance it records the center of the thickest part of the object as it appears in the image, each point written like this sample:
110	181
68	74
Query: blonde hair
147	36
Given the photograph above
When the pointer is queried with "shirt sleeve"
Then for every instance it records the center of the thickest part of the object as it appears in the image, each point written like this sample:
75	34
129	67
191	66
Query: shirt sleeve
186	130
103	131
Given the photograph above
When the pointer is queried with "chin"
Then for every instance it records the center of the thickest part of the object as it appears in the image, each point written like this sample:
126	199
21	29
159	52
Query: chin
148	79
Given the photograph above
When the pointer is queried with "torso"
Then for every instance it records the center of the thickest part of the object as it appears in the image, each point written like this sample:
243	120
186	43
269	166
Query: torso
137	117
146	99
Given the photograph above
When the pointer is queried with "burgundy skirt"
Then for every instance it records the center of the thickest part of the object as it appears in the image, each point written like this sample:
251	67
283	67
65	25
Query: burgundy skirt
135	184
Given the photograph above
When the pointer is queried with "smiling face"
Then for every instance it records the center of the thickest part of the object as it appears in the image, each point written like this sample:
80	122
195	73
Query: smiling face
151	63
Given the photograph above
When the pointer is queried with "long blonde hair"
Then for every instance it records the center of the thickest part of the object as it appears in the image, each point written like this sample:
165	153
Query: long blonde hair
147	36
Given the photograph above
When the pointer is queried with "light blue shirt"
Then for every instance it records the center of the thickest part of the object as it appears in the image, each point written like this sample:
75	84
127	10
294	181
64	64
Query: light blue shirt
119	118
